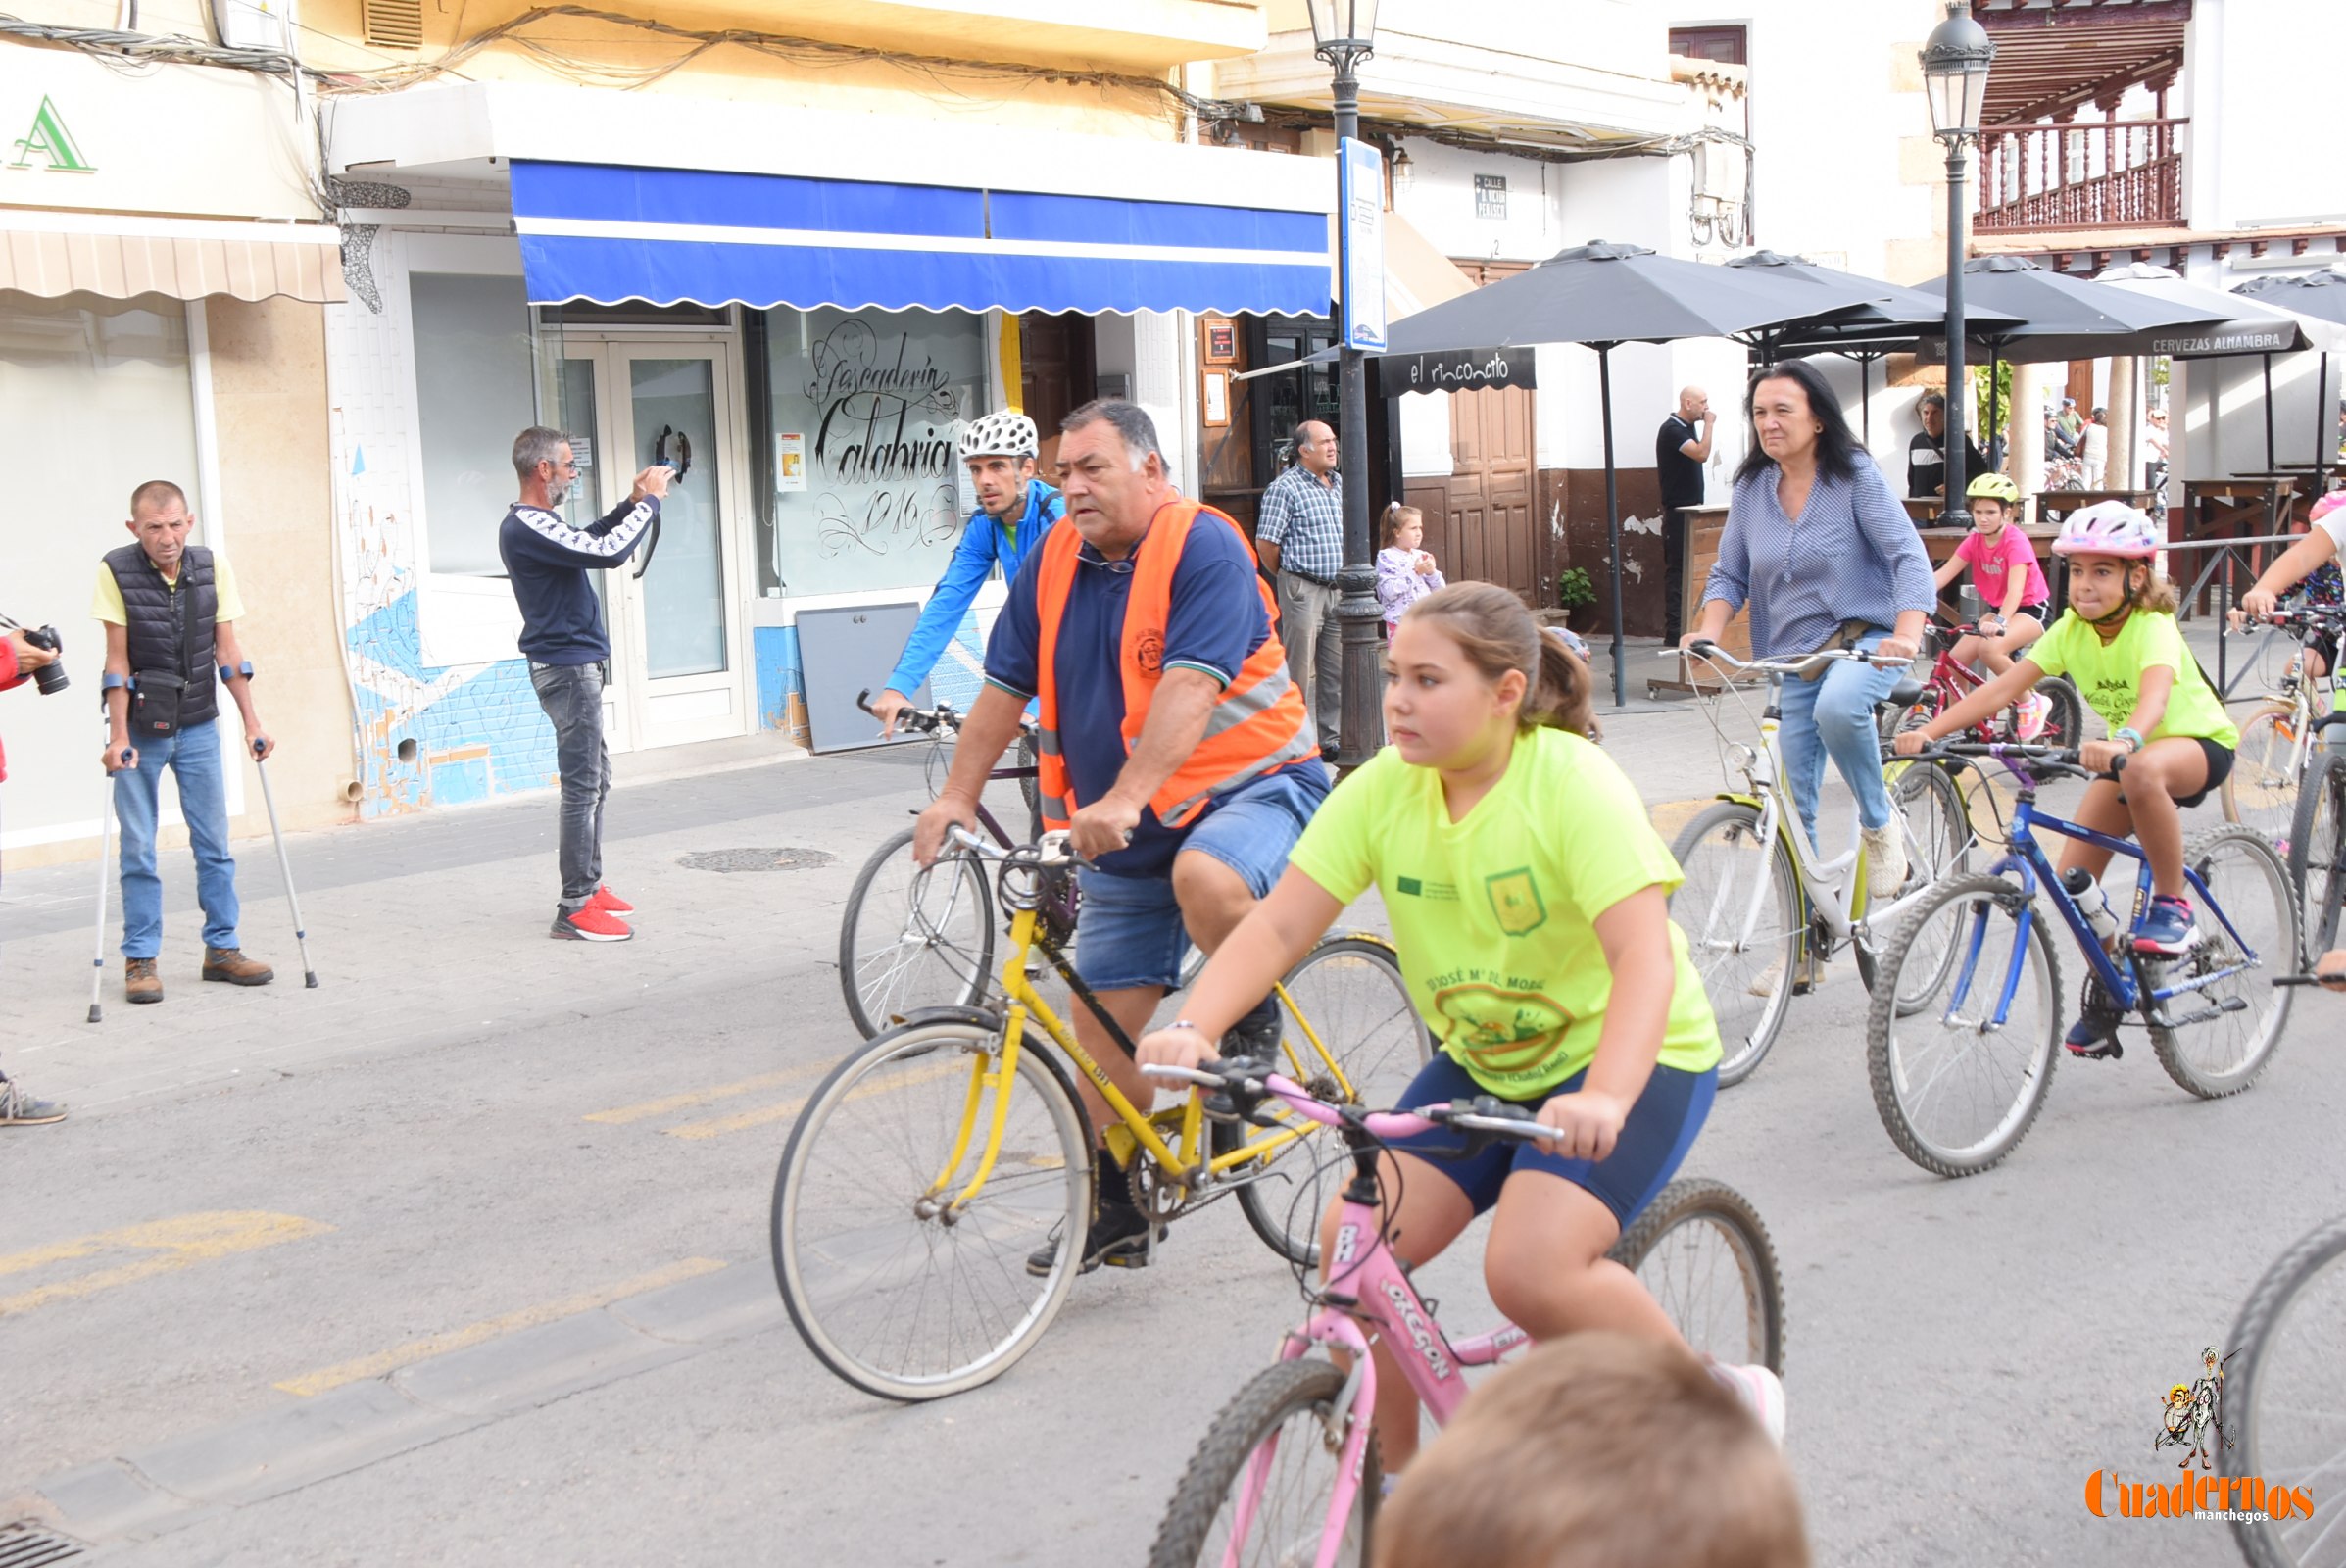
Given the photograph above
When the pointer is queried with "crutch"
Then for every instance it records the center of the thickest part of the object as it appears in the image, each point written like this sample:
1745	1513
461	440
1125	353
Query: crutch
300	938
97	958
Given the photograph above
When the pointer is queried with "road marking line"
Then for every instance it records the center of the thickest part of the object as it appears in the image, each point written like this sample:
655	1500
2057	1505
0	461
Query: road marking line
178	1243
1670	816
384	1361
701	1097
719	1126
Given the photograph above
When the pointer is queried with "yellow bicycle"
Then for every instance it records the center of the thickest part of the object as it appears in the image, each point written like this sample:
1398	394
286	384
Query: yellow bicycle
935	1159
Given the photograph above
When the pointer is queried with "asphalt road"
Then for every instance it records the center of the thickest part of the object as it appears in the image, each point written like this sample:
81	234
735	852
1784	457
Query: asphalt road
461	1257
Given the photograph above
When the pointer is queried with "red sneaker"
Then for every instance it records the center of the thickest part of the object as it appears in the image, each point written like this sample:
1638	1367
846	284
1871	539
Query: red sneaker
588	924
609	903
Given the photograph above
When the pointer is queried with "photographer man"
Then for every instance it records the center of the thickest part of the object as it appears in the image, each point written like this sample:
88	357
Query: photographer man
20	657
170	611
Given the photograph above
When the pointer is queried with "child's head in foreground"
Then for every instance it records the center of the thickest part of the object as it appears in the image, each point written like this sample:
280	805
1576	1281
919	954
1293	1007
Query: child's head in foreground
1597	1450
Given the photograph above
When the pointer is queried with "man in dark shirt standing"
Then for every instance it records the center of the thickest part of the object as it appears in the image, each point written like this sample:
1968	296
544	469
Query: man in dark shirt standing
569	655
1926	453
1680	451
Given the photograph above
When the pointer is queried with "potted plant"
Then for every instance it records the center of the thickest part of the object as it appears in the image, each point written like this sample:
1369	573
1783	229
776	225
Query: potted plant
1574	590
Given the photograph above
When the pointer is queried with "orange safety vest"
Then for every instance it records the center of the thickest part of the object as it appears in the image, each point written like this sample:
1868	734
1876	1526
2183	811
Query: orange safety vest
1258	723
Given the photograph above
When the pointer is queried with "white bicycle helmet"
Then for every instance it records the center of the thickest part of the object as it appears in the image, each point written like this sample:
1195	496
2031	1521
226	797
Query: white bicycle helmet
2109	528
1001	434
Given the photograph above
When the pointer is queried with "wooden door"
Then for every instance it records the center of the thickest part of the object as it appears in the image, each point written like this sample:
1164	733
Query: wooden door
1056	374
1490	528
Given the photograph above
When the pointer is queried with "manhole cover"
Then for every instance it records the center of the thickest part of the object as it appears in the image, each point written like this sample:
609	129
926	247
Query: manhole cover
752	859
25	1543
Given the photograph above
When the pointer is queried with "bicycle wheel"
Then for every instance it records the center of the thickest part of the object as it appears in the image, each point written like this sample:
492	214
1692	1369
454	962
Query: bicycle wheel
1701	1252
1272	1456
2261	792
892	1287
2238	1020
1349	992
2065	716
1741	911
2317	853
911	939
1957	1091
2283	1404
1938	843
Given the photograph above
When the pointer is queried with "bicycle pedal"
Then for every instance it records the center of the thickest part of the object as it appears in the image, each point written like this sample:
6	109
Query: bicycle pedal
2102	1050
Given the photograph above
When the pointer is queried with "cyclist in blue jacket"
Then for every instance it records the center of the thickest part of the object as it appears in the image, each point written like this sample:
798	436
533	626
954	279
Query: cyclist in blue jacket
1015	509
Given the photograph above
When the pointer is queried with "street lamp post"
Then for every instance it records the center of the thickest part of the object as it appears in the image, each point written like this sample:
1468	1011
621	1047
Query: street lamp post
1955	62
1343	34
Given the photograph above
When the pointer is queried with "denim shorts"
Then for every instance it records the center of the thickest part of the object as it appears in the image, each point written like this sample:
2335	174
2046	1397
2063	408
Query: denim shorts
1128	933
1653	1141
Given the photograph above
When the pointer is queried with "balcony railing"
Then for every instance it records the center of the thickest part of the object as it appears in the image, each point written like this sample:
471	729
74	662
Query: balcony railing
2125	173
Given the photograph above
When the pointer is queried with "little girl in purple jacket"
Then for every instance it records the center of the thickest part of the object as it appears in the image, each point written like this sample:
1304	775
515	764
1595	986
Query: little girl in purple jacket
1405	573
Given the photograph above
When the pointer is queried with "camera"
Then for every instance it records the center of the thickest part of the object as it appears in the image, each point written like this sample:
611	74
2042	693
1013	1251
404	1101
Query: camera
50	679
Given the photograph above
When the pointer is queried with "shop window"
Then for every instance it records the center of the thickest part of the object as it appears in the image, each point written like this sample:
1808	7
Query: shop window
474	394
1286	401
868	488
95	396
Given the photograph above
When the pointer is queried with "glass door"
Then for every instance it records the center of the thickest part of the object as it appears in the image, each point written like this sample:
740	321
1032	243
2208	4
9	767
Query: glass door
678	667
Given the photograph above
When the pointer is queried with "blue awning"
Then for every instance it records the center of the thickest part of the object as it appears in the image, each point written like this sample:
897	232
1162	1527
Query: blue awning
605	233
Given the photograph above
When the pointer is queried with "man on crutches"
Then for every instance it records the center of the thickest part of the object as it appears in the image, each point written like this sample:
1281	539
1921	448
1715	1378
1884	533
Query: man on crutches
171	609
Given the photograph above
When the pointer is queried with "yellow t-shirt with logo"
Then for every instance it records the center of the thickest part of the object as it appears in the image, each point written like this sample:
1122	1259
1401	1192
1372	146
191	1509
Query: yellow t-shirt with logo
106	603
1495	914
2110	678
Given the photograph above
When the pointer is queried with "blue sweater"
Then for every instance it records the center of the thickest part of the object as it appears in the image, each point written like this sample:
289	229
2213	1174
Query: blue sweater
984	542
547	559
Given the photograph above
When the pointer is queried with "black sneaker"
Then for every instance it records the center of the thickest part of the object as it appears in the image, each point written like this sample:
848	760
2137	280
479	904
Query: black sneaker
1118	1236
1255	1037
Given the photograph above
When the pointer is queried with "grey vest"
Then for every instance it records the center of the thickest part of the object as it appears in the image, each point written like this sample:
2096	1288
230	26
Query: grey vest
157	639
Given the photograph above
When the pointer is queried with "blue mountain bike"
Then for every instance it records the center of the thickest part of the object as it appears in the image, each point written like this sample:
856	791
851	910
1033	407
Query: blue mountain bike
1959	1078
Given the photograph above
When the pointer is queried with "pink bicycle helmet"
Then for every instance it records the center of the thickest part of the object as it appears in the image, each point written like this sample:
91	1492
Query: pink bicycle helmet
2327	505
2108	528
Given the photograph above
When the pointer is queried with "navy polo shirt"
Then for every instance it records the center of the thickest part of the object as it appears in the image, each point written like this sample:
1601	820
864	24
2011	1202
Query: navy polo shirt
1214	621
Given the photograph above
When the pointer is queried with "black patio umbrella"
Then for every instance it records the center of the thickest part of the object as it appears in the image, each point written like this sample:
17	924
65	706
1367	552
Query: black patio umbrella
1602	295
2061	317
2322	295
2248	325
1850	332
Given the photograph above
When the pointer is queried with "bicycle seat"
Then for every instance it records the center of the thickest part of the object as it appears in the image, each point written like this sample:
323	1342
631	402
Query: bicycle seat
1905	694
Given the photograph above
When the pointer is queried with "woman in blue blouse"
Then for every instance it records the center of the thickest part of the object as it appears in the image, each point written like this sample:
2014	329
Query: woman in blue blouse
1815	539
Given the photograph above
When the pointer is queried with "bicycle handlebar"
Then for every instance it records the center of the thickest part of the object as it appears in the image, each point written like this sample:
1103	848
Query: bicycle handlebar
2045	759
2314	618
1251	1080
1712	652
1051	849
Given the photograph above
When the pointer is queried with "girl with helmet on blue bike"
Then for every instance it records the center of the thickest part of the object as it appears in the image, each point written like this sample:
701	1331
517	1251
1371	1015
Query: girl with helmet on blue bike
2121	648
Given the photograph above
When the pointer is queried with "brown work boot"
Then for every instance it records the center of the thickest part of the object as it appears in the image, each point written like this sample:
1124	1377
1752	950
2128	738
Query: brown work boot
231	964
140	982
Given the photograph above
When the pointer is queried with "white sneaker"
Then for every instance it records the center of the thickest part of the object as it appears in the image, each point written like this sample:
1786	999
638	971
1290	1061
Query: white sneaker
1812	975
1885	859
1762	1394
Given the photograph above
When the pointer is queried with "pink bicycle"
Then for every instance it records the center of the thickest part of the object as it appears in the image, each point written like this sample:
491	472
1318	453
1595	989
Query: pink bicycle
1289	1473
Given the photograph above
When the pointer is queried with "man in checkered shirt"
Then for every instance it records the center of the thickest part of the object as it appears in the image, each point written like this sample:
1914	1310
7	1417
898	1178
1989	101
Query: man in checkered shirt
1301	537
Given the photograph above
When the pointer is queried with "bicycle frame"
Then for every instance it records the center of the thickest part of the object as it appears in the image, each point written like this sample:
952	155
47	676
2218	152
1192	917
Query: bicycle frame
1820	880
1182	1159
2036	873
1376	1300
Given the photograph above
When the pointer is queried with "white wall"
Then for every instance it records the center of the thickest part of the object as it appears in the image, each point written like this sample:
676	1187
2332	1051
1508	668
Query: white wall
1825	128
2261	91
1440	203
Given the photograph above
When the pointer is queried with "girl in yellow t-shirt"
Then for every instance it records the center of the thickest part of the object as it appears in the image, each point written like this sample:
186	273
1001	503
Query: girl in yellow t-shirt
2121	648
1529	895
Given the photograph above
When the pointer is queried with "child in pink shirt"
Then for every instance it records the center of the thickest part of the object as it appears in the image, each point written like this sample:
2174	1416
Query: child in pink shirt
2010	583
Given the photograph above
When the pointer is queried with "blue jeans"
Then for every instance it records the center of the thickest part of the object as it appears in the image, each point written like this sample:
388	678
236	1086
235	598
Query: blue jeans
193	754
1129	930
1835	715
572	697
